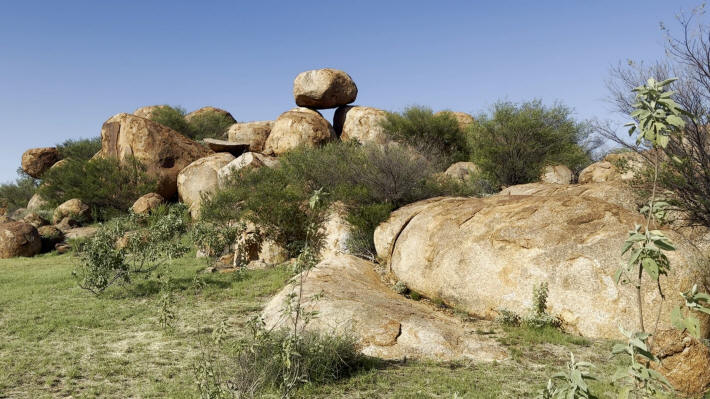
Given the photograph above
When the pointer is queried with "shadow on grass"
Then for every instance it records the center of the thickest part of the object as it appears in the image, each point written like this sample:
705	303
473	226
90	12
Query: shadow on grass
147	287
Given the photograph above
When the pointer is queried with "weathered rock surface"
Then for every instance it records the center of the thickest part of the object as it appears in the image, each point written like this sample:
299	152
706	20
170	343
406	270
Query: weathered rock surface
252	133
35	220
363	124
200	177
486	254
465	120
231	147
19	239
608	169
36	161
209	110
336	231
147	203
297	127
324	88
248	160
50	236
462	171
36	203
387	325
73	209
162	150
147	111
556	174
614	192
685	361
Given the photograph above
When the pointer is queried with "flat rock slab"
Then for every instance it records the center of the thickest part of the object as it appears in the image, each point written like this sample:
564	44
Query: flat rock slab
81	232
231	147
387	325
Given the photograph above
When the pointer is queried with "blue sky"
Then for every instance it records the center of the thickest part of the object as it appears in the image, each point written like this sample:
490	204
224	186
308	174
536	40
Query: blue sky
66	67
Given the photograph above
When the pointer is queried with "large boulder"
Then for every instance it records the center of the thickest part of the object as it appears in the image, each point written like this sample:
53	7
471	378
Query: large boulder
36	161
354	301
556	174
73	209
200	178
614	167
50	237
324	88
162	150
464	120
209	110
462	171
685	361
482	255
19	239
145	204
248	160
363	124
36	203
252	133
298	127
147	111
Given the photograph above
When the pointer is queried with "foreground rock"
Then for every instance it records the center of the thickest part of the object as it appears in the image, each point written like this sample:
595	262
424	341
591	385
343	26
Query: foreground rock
252	133
204	111
462	171
19	239
324	88
147	203
246	161
387	325
73	209
298	127
685	361
363	124
482	255
162	150
36	161
200	178
556	174
231	147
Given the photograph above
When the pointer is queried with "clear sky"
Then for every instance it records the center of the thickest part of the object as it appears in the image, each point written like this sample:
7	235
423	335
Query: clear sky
67	66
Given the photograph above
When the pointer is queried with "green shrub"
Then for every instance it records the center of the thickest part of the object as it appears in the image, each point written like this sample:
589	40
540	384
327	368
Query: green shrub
17	194
205	125
514	142
107	186
81	149
436	136
172	117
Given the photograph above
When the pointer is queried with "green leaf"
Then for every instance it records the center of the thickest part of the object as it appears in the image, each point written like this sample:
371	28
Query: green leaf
651	267
676	121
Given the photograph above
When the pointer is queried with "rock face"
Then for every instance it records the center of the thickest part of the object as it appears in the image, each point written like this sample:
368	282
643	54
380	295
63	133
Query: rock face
556	174
324	88
363	124
162	150
252	133
483	255
19	239
50	236
36	161
615	193
73	209
462	171
36	203
387	325
248	160
465	120
209	110
685	361
297	127
147	203
147	111
200	177
231	147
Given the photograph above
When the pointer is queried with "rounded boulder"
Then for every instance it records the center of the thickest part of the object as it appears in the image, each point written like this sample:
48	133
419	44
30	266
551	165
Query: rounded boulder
298	127
19	239
324	88
36	161
201	178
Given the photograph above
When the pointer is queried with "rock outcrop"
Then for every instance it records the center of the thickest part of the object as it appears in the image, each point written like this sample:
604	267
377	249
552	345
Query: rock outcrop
685	361
363	124
147	203
73	209
462	171
252	133
19	239
482	255
36	161
298	127
200	178
162	150
354	301
209	110
556	174
324	88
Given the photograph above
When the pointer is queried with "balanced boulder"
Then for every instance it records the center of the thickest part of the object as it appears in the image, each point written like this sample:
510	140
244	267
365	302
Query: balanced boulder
36	161
298	127
252	133
204	111
146	204
483	255
324	88
556	174
163	151
73	209
19	239
200	178
363	124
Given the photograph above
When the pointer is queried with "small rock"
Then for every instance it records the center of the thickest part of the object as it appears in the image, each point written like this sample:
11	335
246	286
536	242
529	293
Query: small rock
324	88
556	174
147	203
75	209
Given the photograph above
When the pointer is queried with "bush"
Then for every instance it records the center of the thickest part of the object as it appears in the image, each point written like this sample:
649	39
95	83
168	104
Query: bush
437	136
514	143
205	125
81	149
107	186
16	195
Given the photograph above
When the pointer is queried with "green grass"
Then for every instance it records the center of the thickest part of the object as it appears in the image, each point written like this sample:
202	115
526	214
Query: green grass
57	340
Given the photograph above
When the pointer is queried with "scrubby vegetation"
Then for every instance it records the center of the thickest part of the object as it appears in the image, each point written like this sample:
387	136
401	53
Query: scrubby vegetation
16	195
206	125
81	149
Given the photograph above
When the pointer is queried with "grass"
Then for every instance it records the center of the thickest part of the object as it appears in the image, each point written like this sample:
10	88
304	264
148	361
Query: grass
57	340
